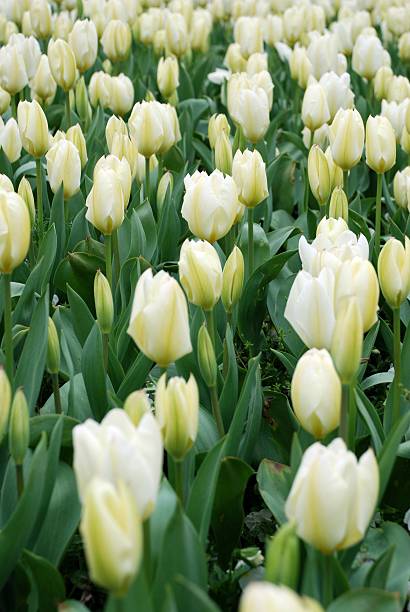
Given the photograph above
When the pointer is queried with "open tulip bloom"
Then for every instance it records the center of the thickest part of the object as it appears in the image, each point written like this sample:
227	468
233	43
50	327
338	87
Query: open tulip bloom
204	305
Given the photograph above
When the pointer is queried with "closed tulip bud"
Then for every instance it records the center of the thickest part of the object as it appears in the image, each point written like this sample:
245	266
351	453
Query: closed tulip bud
107	66
217	124
338	92
348	490
210	204
15	231
159	42
223	153
177	412
335	173
13	73
315	109
381	82
234	60
83	40
64	167
200	273
357	277
347	138
121	96
19	428
146	127
405	141
393	269
6	184
75	135
63	25
141	165
206	357
40	18
253	113
282	557
134	454
257	62
404	46
26	194
33	128
115	125
249	174
264	597
232	279
248	34
137	405
339	207
347	341
159	322
407	118
5	403
82	103
122	170
5	99
104	305
176	35
316	393
380	144
43	85
168	76
166	183
26	27
318	172
53	348
62	63
105	202
401	188
116	40
10	140
112	534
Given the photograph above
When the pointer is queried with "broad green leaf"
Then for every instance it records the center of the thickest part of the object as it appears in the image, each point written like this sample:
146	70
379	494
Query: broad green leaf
49	582
136	376
366	600
93	373
389	450
229	394
274	482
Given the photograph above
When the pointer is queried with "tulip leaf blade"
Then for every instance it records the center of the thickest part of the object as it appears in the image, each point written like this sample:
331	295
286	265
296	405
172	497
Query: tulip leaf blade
274	482
47	579
389	450
363	600
92	367
229	394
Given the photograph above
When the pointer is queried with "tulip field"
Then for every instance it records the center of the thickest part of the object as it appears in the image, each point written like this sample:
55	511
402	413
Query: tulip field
204	305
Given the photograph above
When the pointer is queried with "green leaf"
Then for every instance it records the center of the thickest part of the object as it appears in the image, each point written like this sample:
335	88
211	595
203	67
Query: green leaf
371	419
57	217
49	583
92	367
365	600
136	376
229	394
274	482
379	572
47	422
389	450
191	597
81	316
138	594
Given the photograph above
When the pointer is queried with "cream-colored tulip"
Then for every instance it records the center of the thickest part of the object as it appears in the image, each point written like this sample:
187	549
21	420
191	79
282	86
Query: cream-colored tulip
43	85
380	144
99	89
393	268
333	496
83	40
404	46
347	340
358	277
338	205
63	24
396	114
146	127
121	168
300	66
159	323
346	136
33	128
115	126
232	279
6	184
368	56
200	273
15	231
62	63
315	109
319	176
40	18
399	89
170	126
266	597
401	188
381	82
26	193
293	24
176	35
121	96
5	99
253	113
137	405
64	167
13	73
116	40
338	92
249	174
76	136
105	202
335	173
316	393
10	140
223	153
248	34
200	29
177	412
234	59
30	49
216	125
168	76
210	204
323	53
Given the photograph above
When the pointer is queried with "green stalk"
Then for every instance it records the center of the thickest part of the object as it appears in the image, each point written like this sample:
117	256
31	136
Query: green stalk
108	258
147	549
56	393
179	480
250	242
327	594
378	216
397	366
8	328
14	107
19	479
147	177
105	341
116	255
67	110
352	415
216	411
39	183
344	416
210	323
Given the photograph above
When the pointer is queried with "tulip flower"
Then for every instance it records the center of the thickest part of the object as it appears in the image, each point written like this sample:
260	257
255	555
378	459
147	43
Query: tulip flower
216	125
358	277
13	72
122	171
168	76
137	405
64	167
347	138
33	128
267	597
338	205
315	109
176	35
116	450
368	56
347	340
223	153
116	40
232	279
401	188
159	322
345	490
381	82
40	18
248	33
15	231
26	193
43	85
5	403
62	63
19	434
83	40
75	135
121	96
249	174
200	273
10	140
319	176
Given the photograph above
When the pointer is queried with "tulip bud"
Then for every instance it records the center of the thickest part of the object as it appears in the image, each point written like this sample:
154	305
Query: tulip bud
63	25
234	59
81	102
122	170
347	340
407	118
405	141
26	27
75	135
15	231
40	18
107	66
216	125
19	428
176	35
136	405
380	144
10	140
64	167
104	305
339	207
112	534
316	393
5	100
401	188
177	412
318	172
381	82
121	96
282	557
107	189
159	42
13	72
53	348
43	85
33	128
263	596
335	173
166	182
83	40
116	40
200	273
393	268
5	402
62	63
404	46
315	110
347	127
249	174
168	76
223	153
115	126
232	279
206	357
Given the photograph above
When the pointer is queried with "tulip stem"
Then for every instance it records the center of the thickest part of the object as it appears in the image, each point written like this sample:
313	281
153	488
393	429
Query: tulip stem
378	216
210	323
250	242
105	341
56	393
147	549
67	110
345	181
327	595
108	259
216	411
397	366
344	416
39	182
8	333
352	415
19	479
116	255
179	480
13	107
147	177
